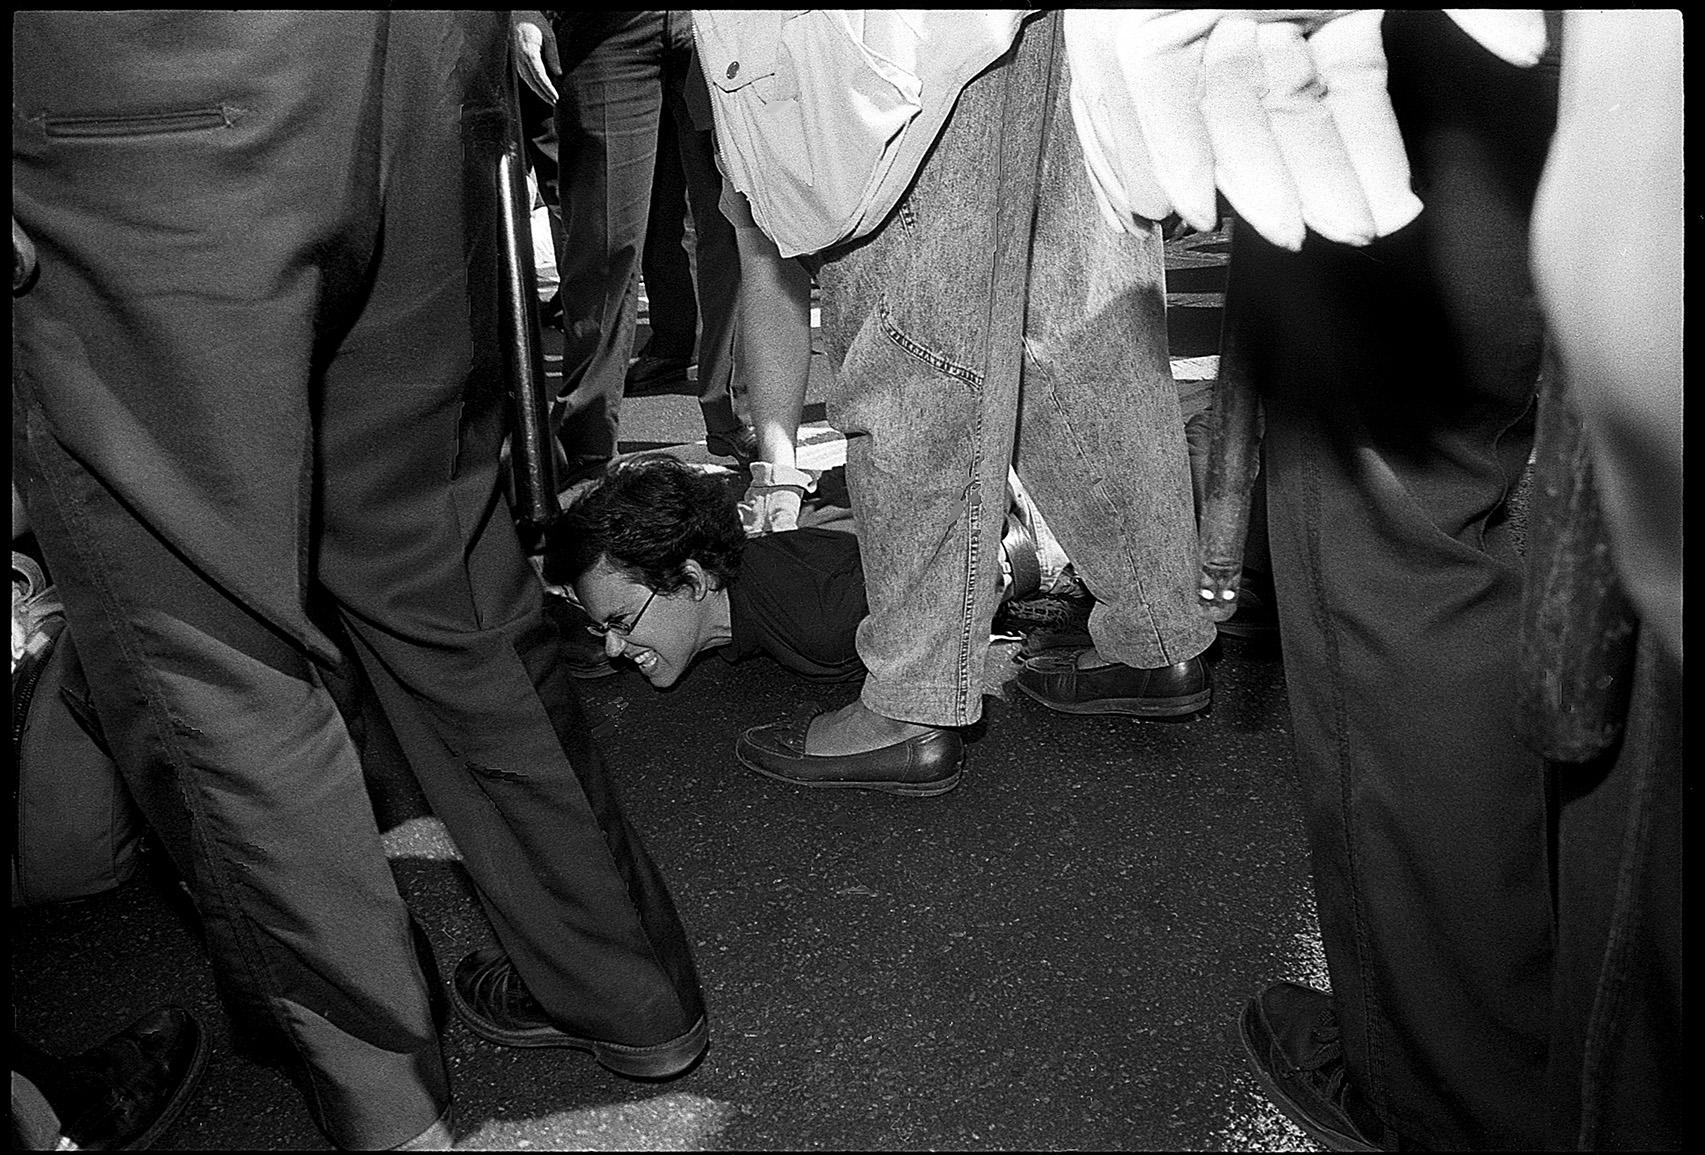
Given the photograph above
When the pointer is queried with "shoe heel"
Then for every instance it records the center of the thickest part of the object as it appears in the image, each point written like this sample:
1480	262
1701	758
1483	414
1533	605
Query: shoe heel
662	1061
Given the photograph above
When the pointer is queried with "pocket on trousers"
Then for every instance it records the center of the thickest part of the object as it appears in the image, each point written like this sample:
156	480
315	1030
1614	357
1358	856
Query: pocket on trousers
140	124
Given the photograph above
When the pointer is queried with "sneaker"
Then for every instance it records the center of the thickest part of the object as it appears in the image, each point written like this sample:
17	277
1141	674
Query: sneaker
492	999
1168	693
139	1082
1291	1035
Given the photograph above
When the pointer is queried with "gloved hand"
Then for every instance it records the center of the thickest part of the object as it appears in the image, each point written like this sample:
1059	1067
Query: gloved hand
1285	111
771	504
536	57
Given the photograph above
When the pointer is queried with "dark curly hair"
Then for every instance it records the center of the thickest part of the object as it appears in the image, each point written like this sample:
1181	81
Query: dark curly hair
648	516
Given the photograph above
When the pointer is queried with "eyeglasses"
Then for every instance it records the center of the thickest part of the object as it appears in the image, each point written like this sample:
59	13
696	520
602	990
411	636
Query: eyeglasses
620	629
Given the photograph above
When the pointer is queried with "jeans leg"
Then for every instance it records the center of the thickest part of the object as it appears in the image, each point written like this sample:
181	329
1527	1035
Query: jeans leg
1101	442
929	390
607	117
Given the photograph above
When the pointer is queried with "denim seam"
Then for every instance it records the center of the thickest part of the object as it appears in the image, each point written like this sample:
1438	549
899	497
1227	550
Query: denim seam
73	514
973	559
934	360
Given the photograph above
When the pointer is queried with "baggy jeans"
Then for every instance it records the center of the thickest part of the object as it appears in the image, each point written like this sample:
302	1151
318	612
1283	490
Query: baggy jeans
993	311
250	384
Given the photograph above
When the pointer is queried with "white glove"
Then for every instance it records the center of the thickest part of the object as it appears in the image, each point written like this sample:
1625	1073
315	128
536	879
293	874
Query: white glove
1284	111
771	504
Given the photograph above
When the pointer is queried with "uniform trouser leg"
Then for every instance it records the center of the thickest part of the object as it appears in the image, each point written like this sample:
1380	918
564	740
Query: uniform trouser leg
237	756
420	556
1398	383
607	123
716	256
176	172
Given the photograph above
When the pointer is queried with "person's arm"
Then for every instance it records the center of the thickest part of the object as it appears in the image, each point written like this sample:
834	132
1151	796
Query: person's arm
1609	228
536	56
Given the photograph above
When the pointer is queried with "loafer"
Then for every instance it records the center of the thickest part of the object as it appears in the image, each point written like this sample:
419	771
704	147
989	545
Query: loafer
1291	1036
652	374
918	767
491	998
1174	691
138	1082
741	444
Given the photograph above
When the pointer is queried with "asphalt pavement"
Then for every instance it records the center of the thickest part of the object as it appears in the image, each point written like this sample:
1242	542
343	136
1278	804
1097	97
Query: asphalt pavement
1052	957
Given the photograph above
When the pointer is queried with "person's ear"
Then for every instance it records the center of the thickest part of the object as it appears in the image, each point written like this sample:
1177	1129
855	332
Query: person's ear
700	579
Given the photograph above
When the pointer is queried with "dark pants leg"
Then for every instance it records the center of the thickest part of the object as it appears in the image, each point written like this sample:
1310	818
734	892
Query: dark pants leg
1398	382
209	373
667	267
1617	1058
607	117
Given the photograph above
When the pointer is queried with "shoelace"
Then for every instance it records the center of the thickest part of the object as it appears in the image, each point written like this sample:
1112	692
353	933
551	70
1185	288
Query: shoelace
1328	1052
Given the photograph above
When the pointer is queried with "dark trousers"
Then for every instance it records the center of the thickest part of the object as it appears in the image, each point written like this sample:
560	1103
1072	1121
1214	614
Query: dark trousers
1398	383
619	71
250	384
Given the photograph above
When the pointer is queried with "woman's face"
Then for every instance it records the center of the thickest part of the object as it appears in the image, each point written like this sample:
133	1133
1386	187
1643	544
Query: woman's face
668	630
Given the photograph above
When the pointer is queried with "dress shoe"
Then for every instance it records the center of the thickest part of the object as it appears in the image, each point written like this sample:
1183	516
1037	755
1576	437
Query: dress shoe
918	767
137	1082
1256	618
1174	691
1291	1035
653	374
492	999
741	444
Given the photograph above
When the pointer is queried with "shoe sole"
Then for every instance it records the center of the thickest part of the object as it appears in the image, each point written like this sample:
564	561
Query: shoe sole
1327	1137
1156	709
659	1061
904	789
179	1100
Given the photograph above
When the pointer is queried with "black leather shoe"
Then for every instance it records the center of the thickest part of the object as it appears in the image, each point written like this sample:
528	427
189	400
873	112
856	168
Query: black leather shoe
649	374
492	999
1256	618
741	444
919	767
1291	1035
1174	691
138	1082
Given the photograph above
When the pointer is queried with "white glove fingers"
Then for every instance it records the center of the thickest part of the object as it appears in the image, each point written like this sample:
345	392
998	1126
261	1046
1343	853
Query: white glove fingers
1349	56
1104	182
1327	185
1166	94
1513	34
1248	165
